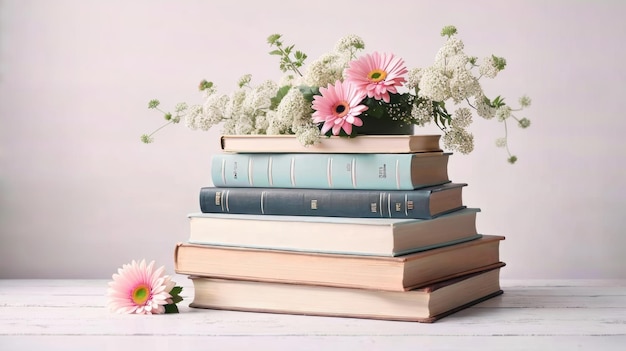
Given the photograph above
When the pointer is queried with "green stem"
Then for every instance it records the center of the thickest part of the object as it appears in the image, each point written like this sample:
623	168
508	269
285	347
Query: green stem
161	127
286	56
506	139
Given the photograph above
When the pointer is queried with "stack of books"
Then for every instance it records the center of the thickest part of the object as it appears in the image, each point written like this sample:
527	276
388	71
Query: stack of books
367	227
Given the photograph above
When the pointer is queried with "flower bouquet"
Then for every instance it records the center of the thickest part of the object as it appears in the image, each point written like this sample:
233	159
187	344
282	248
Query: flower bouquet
343	91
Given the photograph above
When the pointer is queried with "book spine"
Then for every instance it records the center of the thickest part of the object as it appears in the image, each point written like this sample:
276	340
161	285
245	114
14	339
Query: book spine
316	171
317	202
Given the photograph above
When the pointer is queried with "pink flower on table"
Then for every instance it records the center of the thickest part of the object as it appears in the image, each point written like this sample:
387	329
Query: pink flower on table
138	288
377	74
338	107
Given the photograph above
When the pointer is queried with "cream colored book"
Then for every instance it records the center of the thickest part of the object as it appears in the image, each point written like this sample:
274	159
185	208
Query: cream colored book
369	272
426	304
333	144
357	236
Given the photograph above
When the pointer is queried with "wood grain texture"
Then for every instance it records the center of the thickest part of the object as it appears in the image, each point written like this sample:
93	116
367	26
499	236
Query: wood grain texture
72	315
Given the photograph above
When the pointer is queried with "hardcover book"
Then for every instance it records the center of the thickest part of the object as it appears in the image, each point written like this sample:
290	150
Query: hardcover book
369	272
426	304
359	236
330	171
372	144
424	203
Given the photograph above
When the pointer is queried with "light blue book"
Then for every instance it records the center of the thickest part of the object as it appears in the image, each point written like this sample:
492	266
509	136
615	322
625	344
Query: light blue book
330	171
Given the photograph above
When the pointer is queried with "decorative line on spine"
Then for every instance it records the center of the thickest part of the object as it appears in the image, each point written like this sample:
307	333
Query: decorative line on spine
397	173
262	200
381	202
292	172
250	178
389	205
406	203
353	172
225	201
270	178
224	171
329	172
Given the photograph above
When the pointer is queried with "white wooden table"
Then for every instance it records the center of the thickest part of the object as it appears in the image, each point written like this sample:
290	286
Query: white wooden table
531	315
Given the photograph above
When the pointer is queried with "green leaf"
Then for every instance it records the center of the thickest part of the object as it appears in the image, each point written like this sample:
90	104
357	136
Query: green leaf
273	38
171	308
176	290
276	52
309	92
275	101
499	62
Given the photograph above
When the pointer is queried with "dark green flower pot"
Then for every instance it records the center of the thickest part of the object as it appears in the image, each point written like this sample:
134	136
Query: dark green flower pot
383	126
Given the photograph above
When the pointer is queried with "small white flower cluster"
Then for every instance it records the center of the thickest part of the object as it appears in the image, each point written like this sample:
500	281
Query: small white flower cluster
450	78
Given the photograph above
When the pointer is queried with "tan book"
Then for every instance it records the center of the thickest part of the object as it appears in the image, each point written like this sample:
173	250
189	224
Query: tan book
333	144
426	304
358	236
370	272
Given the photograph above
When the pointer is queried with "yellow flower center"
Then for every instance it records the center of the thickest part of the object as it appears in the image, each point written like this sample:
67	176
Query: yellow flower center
377	75
341	109
140	294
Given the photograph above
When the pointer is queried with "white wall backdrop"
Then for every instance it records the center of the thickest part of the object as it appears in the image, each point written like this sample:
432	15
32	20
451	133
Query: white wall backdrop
80	195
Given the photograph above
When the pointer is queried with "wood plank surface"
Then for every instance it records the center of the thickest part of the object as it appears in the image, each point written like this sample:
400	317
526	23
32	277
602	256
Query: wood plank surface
539	315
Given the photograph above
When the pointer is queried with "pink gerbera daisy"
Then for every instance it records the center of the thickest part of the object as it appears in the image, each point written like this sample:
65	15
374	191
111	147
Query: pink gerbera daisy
377	74
137	288
338	107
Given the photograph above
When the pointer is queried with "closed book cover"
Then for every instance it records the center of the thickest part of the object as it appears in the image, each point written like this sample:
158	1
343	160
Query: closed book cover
330	171
426	304
369	272
335	144
424	203
358	236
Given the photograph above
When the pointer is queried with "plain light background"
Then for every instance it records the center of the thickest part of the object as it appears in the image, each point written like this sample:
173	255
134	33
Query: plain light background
80	195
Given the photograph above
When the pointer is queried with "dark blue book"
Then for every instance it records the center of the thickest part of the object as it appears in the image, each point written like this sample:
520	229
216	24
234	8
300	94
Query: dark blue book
424	203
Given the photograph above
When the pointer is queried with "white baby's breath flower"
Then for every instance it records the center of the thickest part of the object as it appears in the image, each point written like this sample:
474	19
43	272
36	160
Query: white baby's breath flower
234	107
229	127
501	142
453	46
308	135
458	139
452	63
524	101
325	70
503	112
244	126
349	44
462	118
191	116
212	112
483	108
261	123
259	98
294	109
422	112
463	85
488	67
434	84
413	78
